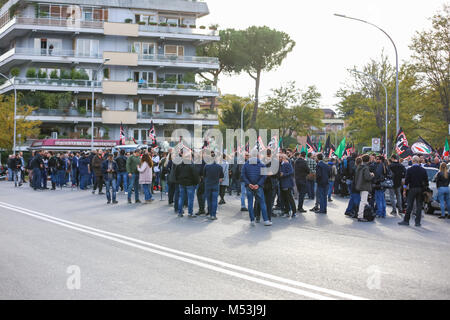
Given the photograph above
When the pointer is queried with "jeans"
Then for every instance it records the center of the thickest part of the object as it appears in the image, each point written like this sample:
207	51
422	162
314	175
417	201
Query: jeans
395	195
17	176
243	194
211	195
122	177
302	190
381	203
201	196
259	195
444	199
330	188
84	180
110	184
414	195
10	174
353	203
310	187
190	191
287	201
134	182
147	193
61	176
36	178
75	178
322	197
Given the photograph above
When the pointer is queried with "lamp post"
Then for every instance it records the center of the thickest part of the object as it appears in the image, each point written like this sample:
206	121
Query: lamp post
386	114
93	101
15	109
396	63
242	122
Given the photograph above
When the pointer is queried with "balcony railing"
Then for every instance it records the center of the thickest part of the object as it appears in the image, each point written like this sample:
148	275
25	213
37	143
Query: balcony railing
57	82
54	22
76	24
70	112
175	86
174	115
178	29
57	53
98	84
179	59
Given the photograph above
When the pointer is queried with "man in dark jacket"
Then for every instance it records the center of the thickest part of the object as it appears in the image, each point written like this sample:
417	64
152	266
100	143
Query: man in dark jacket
395	194
187	178
60	170
363	181
96	166
109	171
301	172
84	167
213	175
322	179
254	183
286	185
122	175
36	165
199	167
416	181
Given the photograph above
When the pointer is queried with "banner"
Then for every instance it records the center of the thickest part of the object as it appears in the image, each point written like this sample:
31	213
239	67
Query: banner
401	145
422	147
340	149
310	146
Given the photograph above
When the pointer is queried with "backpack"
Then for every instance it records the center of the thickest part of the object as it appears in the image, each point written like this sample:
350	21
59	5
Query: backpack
369	213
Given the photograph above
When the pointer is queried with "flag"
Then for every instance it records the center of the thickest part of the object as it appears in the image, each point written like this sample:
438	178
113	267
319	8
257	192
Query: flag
152	134
340	149
422	147
273	144
304	150
260	144
446	152
319	148
401	145
280	143
327	147
310	146
348	150
122	136
331	151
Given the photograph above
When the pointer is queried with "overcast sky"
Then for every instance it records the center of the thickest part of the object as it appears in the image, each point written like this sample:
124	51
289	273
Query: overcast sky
326	45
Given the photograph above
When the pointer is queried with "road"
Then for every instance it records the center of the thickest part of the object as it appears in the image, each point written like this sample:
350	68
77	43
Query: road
69	244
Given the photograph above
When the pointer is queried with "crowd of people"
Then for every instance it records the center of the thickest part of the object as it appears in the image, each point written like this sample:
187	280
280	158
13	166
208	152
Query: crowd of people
263	191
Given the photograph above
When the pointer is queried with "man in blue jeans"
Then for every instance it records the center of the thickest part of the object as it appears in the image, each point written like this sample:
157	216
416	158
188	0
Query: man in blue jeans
187	177
254	181
242	183
133	175
109	170
322	179
122	175
213	175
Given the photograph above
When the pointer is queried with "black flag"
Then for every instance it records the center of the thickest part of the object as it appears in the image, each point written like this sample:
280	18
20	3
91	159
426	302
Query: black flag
401	145
327	147
311	146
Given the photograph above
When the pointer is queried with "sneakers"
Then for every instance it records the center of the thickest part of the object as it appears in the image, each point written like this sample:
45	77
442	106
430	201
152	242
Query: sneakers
252	223
315	209
200	213
101	193
330	200
244	209
362	220
403	223
301	210
442	217
222	202
129	201
108	202
393	213
267	223
320	212
192	216
149	201
138	201
212	218
115	202
180	215
418	225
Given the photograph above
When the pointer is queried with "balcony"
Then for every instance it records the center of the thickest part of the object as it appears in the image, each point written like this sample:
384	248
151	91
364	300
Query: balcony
184	89
178	61
111	87
22	24
68	115
52	85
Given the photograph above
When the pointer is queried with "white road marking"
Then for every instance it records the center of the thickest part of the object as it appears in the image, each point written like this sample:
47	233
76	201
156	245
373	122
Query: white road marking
178	255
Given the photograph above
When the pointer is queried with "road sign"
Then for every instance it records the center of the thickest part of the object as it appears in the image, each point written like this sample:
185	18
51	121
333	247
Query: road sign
376	144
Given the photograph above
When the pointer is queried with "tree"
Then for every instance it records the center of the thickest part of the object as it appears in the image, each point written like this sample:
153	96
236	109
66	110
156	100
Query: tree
291	110
24	127
431	57
260	49
230	112
225	51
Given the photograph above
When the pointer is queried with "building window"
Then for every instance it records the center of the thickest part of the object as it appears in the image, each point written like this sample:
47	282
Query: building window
87	47
170	106
144	48
174	50
147	106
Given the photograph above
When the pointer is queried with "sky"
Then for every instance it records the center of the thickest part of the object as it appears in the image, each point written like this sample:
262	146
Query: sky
326	46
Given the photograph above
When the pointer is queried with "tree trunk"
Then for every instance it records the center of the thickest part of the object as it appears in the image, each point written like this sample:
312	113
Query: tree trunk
255	107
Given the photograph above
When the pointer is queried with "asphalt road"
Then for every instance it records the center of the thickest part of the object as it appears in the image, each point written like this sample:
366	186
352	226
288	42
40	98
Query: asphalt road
69	244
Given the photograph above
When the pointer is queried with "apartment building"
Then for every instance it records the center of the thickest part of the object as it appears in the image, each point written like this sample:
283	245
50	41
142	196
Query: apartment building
137	57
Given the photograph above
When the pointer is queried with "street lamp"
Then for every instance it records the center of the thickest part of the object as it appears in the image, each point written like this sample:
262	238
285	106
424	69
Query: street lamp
93	101
385	90
242	122
15	108
396	63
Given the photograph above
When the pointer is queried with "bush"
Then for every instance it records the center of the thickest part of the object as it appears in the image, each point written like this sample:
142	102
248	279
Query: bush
142	23
128	20
183	25
153	23
173	25
42	74
15	72
54	74
202	27
163	24
65	75
192	26
31	73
